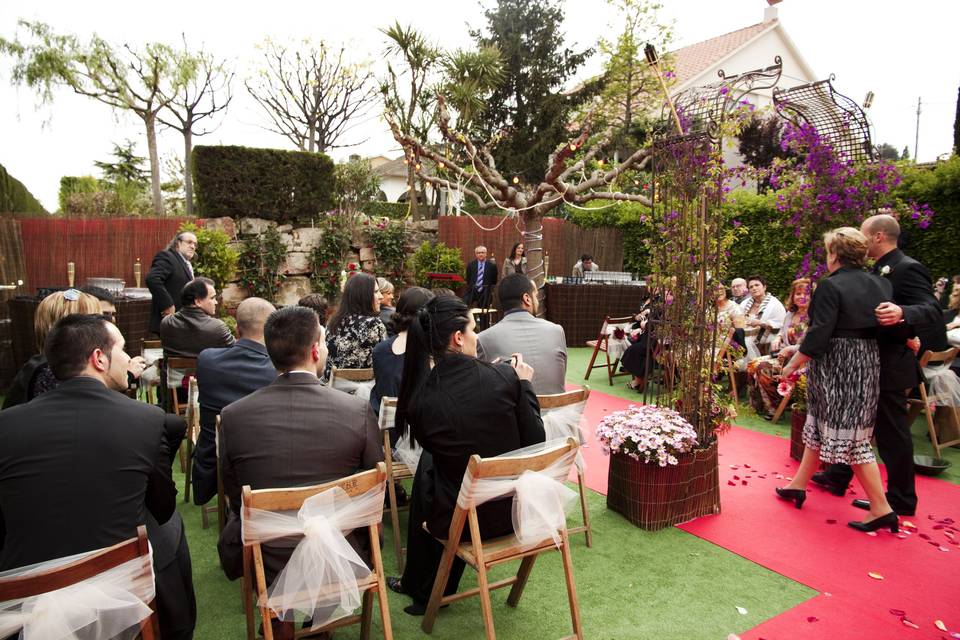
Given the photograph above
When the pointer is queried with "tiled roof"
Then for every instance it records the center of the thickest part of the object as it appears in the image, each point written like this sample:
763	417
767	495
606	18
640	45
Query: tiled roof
694	59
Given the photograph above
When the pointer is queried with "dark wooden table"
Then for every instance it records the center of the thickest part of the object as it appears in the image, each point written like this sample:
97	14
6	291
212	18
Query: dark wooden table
133	320
581	308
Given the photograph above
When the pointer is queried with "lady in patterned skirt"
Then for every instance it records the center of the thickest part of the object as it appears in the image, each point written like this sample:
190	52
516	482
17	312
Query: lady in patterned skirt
843	376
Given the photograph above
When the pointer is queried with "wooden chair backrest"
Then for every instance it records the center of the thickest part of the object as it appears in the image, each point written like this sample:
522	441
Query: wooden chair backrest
149	344
14	588
608	321
388	413
292	499
354	375
554	400
938	357
188	365
513	466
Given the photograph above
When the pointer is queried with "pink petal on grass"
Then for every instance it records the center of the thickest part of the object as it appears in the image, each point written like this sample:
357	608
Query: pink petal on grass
908	524
875	575
872	533
939	625
907	623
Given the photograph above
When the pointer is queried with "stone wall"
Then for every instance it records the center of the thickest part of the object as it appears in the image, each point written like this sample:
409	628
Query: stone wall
300	242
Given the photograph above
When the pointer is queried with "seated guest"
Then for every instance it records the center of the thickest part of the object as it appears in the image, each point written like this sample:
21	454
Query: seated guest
82	466
108	308
585	264
516	262
293	433
639	359
195	326
952	319
738	290
35	376
763	318
386	303
460	407
542	343
355	329
318	303
729	318
388	355
223	376
763	373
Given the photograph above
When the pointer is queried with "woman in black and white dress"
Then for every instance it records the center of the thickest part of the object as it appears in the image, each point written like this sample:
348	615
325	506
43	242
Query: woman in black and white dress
843	376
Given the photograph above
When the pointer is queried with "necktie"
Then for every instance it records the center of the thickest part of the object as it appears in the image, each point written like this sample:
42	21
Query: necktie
480	275
189	268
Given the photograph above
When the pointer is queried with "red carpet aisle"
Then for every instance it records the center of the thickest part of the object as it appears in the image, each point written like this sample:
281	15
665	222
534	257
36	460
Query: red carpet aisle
916	575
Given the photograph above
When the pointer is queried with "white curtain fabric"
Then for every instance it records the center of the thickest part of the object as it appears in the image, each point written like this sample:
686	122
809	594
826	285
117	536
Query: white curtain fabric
564	422
540	498
616	346
110	605
359	389
943	386
320	579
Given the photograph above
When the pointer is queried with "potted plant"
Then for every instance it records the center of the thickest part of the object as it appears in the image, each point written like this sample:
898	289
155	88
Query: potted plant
796	388
660	473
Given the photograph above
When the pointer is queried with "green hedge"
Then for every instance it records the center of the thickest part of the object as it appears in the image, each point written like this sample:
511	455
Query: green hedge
381	209
284	186
15	198
937	246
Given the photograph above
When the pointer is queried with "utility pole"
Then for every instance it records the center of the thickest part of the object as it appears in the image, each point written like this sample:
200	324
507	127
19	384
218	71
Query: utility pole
916	138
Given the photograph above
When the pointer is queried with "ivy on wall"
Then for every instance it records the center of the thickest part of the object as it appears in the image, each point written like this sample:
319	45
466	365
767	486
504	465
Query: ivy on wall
328	258
260	262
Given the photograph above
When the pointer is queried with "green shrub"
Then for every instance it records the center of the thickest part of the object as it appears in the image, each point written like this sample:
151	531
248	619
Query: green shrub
328	258
215	258
380	209
436	257
389	242
936	246
15	198
284	186
259	265
70	185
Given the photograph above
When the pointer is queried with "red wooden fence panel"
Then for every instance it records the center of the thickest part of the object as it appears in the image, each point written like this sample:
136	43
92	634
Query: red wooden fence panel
98	247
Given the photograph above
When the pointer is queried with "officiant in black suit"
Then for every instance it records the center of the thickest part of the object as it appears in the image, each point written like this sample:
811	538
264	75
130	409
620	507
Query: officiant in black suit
913	312
481	279
170	271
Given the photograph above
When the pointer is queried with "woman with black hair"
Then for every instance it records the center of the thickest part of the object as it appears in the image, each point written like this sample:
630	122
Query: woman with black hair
355	329
388	355
459	407
517	262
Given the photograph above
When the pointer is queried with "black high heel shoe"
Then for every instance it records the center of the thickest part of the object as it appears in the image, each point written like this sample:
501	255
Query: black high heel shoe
797	495
890	520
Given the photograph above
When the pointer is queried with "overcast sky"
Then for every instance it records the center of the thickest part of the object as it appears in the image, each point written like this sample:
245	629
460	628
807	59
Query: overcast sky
900	51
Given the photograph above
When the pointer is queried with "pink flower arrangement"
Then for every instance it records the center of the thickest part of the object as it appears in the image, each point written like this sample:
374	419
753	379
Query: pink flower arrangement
647	433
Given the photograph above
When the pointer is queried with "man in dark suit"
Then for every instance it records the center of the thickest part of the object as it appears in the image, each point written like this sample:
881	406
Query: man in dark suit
169	272
224	376
195	326
913	312
295	432
82	466
481	278
542	343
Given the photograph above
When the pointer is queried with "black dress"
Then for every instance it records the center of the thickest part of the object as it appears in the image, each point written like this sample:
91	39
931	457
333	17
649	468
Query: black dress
387	371
466	407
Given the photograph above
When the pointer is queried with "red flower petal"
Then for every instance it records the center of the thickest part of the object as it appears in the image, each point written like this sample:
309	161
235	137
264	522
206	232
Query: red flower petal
812	619
743	482
898	612
831	521
924	536
731	483
736	477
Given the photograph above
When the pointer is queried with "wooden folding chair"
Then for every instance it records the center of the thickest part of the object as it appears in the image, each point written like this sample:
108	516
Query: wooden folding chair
149	349
725	363
483	554
554	401
944	359
189	368
15	588
342	378
192	417
600	345
254	580
220	507
396	471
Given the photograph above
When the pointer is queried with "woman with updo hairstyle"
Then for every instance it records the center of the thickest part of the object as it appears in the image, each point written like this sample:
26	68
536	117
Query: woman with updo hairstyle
35	377
388	355
459	407
843	374
355	329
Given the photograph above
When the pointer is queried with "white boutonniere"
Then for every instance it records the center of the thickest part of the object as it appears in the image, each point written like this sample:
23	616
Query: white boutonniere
885	271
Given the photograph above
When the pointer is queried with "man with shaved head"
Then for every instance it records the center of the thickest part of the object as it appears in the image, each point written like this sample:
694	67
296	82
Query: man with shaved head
914	312
226	375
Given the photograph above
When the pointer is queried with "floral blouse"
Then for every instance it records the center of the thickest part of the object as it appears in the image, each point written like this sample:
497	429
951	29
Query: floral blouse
351	346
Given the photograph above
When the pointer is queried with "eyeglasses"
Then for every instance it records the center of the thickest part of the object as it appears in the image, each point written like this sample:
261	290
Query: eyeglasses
110	315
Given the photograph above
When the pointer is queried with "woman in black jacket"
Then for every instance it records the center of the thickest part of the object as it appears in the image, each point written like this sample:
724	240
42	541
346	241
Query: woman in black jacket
460	407
843	378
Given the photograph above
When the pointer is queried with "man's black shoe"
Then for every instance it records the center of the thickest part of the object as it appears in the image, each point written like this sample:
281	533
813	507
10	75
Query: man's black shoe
865	505
822	479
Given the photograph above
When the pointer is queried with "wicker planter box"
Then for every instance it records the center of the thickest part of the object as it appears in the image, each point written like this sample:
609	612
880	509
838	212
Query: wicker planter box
797	419
654	497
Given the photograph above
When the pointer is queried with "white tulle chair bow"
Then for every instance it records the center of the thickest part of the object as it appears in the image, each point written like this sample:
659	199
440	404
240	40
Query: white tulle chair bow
358	382
943	386
324	577
108	605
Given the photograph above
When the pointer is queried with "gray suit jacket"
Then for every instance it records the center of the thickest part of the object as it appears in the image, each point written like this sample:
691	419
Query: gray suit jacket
542	344
293	433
